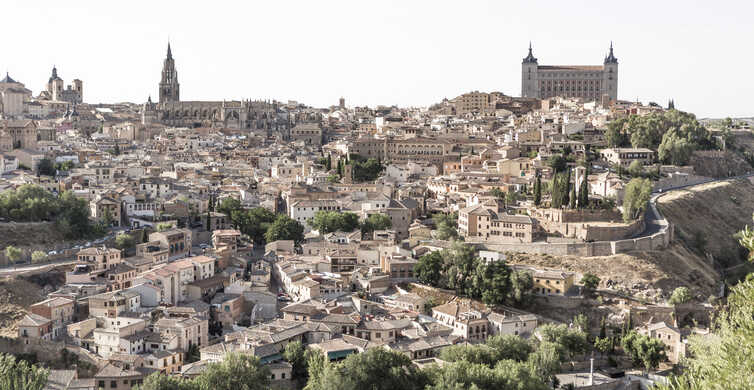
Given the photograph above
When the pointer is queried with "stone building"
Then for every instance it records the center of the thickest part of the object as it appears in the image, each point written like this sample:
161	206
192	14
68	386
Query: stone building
13	95
234	114
488	222
589	82
56	91
18	134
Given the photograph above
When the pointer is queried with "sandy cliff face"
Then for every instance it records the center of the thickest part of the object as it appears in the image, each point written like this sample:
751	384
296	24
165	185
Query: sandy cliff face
707	217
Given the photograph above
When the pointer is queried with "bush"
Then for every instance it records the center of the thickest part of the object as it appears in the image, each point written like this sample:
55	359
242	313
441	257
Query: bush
680	295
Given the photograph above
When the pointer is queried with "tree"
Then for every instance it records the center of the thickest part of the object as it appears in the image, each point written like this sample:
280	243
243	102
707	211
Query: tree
680	295
644	350
375	369
429	269
718	362
374	222
236	372
116	150
20	375
581	322
559	190
460	261
510	347
572	197
545	361
572	340
674	149
614	133
603	344
285	228
254	223
557	163
123	241
295	354
329	162
13	254
511	197
38	257
446	225
497	193
636	197
490	282
332	221
45	167
538	191
161	227
160	381
317	364
584	190
366	171
636	169
521	285
193	354
228	206
477	354
590	281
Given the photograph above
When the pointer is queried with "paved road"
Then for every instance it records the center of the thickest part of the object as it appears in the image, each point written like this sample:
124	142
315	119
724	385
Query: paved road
33	267
652	216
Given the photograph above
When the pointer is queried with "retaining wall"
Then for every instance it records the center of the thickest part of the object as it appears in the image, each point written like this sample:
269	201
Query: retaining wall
586	249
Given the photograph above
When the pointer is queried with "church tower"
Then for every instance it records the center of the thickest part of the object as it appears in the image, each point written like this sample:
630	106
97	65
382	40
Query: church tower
169	87
610	75
529	76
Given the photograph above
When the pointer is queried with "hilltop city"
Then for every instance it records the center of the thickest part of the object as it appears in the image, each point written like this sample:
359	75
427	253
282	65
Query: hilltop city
560	238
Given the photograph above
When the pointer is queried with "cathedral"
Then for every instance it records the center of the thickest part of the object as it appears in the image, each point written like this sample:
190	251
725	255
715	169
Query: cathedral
234	114
589	82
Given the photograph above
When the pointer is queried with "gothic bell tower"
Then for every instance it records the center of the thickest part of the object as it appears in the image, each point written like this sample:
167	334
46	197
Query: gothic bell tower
169	87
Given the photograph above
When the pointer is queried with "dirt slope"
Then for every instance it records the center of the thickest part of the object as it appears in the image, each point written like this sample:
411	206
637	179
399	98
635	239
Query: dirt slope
23	234
649	275
708	215
15	296
705	218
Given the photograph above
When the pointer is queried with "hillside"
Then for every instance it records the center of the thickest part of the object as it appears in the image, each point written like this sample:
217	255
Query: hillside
707	217
19	292
19	234
15	296
650	274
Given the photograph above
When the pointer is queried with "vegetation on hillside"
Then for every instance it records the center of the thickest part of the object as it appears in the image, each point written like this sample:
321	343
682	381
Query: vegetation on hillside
261	224
674	134
459	269
32	203
724	359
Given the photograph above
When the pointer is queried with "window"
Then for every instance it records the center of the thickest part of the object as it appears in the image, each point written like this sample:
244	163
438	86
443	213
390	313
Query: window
113	384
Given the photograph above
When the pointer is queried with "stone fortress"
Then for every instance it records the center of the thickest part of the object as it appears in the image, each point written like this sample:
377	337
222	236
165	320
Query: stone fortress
589	82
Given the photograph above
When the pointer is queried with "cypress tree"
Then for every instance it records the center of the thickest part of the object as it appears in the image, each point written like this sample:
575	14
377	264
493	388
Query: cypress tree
566	189
572	198
538	191
329	162
584	192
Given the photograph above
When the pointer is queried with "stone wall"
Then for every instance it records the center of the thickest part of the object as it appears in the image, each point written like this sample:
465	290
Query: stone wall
587	249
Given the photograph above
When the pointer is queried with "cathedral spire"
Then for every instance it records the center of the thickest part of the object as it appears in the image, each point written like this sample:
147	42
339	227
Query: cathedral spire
611	59
530	58
170	54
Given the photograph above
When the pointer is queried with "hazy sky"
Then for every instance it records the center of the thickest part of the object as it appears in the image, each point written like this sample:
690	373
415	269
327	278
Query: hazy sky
381	52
